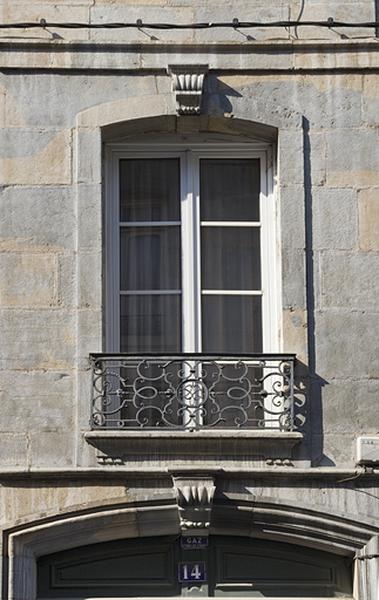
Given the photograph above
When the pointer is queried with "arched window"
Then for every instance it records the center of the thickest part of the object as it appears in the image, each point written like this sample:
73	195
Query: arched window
191	246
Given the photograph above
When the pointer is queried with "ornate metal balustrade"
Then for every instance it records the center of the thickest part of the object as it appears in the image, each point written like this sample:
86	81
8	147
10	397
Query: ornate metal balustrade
192	392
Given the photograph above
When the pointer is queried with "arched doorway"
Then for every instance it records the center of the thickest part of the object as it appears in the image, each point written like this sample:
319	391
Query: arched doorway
173	566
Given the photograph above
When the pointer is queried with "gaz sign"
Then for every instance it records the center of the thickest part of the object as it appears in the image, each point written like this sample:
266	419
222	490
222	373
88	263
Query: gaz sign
192	571
191	542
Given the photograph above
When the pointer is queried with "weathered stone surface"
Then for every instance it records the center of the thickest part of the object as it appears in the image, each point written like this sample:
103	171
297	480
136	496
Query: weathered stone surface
128	109
368	203
24	91
349	406
257	100
88	164
37	500
56	12
330	101
295	333
321	10
89	216
370	99
359	165
35	157
349	280
13	450
37	216
54	447
50	333
346	344
315	155
293	274
338	449
292	216
149	14
90	333
335	218
36	400
52	234
90	266
207	12
28	279
2	105
291	157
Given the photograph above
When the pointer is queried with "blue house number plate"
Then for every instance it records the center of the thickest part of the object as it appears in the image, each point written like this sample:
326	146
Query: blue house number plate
192	571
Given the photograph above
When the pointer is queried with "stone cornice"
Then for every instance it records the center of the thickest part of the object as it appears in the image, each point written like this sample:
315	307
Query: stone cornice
280	55
331	474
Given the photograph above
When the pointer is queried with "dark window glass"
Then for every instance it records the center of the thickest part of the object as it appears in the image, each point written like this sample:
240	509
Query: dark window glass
232	324
150	323
149	189
229	189
150	258
230	258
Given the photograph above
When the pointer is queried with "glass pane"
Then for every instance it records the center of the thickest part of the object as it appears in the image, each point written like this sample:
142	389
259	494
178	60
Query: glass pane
149	189
229	189
150	258
230	258
150	323
232	324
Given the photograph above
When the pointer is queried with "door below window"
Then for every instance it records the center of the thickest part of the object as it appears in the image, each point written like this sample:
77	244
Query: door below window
215	566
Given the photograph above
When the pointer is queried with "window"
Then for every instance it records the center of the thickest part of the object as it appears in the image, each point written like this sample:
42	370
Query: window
191	263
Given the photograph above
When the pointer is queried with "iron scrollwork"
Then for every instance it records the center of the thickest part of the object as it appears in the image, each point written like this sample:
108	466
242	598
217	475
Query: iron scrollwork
192	392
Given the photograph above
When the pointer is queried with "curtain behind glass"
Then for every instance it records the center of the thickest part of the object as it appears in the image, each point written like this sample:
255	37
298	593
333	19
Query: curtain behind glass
150	277
230	256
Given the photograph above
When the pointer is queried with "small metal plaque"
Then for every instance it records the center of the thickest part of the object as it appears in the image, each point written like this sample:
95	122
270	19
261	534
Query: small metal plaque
191	542
192	571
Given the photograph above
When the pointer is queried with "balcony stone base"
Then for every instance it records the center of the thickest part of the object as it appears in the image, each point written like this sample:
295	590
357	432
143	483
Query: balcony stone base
199	449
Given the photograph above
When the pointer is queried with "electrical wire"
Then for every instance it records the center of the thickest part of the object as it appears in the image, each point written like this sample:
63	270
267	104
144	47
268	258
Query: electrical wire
235	24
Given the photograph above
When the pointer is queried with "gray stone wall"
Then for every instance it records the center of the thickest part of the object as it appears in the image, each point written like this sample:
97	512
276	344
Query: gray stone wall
39	262
63	93
187	11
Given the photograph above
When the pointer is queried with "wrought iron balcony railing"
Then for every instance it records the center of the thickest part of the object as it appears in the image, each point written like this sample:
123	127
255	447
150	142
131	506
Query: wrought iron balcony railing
192	392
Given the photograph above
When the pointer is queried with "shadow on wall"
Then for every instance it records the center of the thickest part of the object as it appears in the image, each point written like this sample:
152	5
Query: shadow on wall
315	382
216	97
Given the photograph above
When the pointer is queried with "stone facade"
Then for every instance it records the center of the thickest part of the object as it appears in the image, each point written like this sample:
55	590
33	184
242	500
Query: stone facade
312	93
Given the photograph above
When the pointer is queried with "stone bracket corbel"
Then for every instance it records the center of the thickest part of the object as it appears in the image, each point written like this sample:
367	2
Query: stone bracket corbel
194	495
187	85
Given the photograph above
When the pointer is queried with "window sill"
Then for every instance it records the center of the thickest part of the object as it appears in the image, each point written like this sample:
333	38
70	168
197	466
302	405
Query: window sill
217	446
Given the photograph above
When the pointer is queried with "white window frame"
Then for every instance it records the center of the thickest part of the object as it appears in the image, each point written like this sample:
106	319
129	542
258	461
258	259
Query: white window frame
190	154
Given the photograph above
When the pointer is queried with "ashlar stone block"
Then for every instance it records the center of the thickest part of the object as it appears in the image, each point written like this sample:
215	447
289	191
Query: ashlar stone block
64	96
56	12
149	14
370	99
357	167
260	12
51	448
358	11
13	450
368	203
347	344
37	339
335	218
28	279
34	157
349	280
40	216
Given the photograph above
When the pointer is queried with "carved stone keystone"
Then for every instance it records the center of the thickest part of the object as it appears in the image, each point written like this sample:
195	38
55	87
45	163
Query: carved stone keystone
194	495
187	84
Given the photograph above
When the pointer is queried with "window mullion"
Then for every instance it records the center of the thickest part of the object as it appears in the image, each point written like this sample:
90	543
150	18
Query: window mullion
190	253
